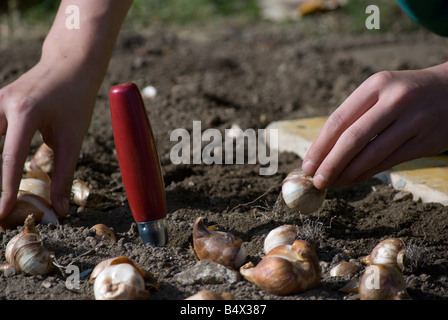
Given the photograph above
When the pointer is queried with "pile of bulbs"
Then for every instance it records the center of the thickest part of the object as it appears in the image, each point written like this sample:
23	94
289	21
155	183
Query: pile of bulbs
26	252
117	278
289	265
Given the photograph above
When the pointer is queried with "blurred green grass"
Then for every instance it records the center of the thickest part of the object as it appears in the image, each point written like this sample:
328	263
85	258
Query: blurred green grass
21	18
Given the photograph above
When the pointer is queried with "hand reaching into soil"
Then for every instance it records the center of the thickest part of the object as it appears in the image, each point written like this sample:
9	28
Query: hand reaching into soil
391	118
57	96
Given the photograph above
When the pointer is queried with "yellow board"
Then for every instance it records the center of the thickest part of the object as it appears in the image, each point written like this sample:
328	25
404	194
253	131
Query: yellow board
425	178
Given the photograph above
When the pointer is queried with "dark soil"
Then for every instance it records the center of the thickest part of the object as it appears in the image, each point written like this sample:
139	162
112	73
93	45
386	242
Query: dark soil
249	77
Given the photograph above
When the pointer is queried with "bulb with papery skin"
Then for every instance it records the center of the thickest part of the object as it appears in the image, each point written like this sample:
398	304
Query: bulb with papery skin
285	234
388	252
80	192
286	269
26	253
43	160
36	186
220	247
104	233
119	278
119	282
29	203
382	282
300	194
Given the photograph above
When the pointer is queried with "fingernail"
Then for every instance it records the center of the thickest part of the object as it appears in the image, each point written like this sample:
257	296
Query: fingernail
308	167
319	181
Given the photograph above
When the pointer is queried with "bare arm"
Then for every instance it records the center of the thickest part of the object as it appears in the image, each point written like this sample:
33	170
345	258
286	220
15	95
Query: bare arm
57	96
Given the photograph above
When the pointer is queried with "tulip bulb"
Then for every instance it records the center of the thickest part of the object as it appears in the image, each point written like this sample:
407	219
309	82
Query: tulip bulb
382	282
33	197
300	194
80	192
104	233
26	253
285	234
220	247
36	186
42	160
343	269
28	203
286	269
119	278
39	174
388	252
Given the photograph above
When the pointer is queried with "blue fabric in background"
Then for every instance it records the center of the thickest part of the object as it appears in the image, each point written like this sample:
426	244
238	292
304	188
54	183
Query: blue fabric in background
431	14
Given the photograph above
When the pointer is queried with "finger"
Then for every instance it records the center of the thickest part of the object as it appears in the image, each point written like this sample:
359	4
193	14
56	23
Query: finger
65	159
406	152
353	140
376	151
361	100
16	148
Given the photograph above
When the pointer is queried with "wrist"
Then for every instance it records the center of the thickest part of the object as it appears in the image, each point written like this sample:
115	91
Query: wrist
86	49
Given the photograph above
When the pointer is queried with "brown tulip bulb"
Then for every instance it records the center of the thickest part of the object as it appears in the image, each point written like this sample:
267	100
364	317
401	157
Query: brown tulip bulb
286	269
26	253
382	282
43	160
343	269
104	233
28	203
36	186
220	247
388	252
285	234
300	194
80	192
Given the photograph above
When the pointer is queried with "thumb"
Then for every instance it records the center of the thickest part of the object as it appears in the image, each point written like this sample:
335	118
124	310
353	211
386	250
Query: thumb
65	159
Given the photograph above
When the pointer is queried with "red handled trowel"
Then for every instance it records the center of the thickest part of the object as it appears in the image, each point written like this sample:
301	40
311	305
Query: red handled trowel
139	163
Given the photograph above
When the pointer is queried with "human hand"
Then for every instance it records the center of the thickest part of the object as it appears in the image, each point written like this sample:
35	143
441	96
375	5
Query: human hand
57	100
391	118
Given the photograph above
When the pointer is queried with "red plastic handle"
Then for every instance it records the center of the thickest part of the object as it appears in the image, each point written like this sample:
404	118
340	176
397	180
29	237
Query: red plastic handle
137	154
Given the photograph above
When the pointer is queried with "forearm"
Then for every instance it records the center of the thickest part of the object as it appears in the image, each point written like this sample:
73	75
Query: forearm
91	45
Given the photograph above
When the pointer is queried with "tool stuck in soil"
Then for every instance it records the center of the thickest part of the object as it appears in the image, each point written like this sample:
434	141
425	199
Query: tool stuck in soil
139	163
